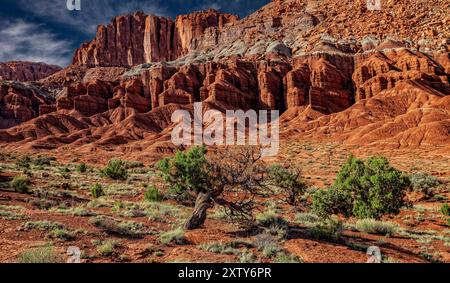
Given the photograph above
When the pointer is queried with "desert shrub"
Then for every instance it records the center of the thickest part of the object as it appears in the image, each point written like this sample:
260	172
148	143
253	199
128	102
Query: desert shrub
134	165
43	160
174	236
64	172
61	234
445	209
121	190
152	194
368	189
248	257
116	170
289	180
118	205
106	248
160	212
329	229
10	215
270	219
45	254
424	183
331	201
270	251
76	211
82	168
268	244
97	191
218	248
79	211
20	184
284	257
8	212
24	162
133	213
372	226
118	227
306	218
42	225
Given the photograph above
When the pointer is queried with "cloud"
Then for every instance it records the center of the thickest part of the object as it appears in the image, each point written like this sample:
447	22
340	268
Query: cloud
95	12
25	41
92	13
50	32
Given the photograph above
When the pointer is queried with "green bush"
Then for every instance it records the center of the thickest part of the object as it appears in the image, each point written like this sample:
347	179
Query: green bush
134	164
331	201
218	248
44	254
185	172
42	225
43	160
116	170
106	248
20	184
24	162
152	194
82	168
97	191
445	209
174	236
64	170
368	189
268	244
248	257
329	229
283	257
424	183
270	219
289	181
61	234
306	218
372	226
118	227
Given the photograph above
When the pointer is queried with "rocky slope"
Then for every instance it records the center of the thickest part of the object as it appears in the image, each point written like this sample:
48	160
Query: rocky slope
136	39
26	71
381	79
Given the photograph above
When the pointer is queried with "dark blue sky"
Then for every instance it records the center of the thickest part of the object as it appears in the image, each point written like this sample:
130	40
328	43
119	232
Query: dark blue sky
45	31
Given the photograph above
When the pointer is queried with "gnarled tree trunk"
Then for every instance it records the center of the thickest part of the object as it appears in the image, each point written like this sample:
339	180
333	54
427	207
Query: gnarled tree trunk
198	217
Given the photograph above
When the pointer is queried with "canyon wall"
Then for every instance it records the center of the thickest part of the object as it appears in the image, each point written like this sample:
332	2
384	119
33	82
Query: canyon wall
138	38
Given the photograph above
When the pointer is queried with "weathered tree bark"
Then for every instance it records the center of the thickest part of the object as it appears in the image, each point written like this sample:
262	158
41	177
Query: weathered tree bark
198	217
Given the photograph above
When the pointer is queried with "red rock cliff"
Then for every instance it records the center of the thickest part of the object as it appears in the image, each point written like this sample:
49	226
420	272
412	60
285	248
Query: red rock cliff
26	71
136	39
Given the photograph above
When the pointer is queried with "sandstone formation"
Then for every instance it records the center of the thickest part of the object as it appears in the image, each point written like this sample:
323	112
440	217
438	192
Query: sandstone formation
136	39
20	103
26	71
330	78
